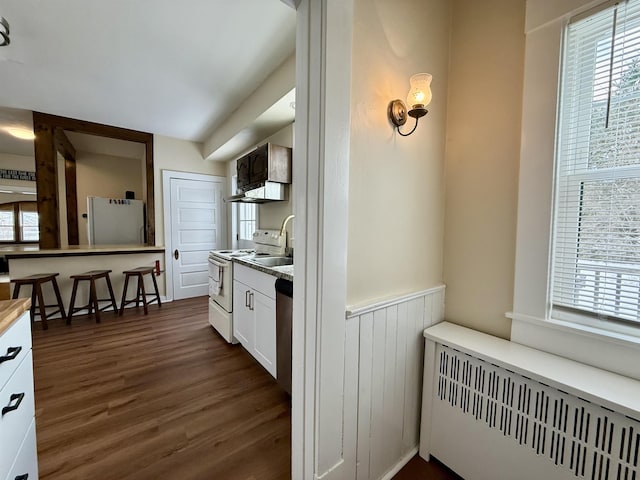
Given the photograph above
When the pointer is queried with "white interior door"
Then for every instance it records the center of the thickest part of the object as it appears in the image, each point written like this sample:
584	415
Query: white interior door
197	226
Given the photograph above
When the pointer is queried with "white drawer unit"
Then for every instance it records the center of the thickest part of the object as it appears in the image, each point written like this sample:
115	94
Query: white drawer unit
25	466
18	457
15	343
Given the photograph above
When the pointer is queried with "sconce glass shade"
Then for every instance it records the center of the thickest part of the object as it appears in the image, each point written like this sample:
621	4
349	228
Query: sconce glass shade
419	94
4	32
417	100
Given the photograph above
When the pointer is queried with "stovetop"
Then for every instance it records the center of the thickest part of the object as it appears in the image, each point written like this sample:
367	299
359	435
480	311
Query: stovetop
229	254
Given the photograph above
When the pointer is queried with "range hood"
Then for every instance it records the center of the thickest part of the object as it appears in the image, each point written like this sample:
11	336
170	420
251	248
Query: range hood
269	192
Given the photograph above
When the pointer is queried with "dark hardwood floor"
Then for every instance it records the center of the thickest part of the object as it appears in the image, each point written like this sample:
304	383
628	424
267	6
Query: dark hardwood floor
155	397
418	469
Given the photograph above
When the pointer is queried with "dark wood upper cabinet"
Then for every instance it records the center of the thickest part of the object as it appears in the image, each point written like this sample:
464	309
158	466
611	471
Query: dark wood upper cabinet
268	162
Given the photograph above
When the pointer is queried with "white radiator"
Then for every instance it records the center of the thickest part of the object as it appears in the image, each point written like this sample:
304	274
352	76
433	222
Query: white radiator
498	410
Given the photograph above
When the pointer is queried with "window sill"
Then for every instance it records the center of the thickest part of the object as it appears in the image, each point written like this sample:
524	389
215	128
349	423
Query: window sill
614	351
618	338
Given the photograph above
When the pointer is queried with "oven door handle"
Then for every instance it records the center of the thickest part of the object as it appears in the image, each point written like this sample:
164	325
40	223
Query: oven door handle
217	264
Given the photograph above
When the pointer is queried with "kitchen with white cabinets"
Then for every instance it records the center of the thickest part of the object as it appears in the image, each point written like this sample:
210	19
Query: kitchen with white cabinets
243	304
247	280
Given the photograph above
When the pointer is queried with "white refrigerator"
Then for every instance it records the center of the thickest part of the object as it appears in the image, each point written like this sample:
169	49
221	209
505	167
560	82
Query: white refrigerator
115	221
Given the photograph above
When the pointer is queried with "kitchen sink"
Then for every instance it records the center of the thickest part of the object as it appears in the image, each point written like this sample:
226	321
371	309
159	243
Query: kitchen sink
273	261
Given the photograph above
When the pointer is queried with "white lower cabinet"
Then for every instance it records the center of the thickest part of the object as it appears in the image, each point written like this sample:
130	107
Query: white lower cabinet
18	457
254	314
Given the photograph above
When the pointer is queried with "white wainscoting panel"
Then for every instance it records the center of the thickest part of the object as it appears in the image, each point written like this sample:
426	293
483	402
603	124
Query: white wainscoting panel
390	347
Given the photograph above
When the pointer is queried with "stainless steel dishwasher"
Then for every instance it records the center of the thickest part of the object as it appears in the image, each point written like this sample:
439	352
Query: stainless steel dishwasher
284	317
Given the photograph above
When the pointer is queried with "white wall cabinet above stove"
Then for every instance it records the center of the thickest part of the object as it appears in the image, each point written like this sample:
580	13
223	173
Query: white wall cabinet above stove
254	314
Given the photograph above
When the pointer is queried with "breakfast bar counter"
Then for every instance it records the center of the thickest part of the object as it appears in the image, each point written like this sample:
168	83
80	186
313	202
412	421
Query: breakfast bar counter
32	251
68	261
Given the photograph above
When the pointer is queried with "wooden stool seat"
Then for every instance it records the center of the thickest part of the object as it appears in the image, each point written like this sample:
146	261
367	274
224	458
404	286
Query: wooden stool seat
141	294
94	301
37	298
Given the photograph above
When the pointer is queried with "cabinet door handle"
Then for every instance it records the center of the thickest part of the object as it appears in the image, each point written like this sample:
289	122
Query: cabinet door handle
12	353
24	476
246	299
251	301
17	398
176	254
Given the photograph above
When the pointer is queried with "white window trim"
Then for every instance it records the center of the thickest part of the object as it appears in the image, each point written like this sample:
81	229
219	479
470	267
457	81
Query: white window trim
236	241
531	323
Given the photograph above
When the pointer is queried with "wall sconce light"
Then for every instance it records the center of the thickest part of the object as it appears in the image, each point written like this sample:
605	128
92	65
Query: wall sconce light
417	100
4	32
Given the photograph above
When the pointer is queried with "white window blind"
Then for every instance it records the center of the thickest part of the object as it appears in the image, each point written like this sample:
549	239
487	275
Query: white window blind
596	247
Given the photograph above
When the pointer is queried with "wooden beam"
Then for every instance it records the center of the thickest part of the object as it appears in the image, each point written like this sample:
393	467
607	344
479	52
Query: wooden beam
49	213
92	128
68	151
151	212
46	184
63	145
73	235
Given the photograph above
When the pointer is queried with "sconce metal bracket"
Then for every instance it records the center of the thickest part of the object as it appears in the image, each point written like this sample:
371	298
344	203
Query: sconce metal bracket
397	112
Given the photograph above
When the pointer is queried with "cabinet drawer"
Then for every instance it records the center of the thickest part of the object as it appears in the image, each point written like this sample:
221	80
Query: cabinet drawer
16	399
262	282
26	465
15	343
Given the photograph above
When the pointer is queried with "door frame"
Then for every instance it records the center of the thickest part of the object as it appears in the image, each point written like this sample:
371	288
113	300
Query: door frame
324	400
167	176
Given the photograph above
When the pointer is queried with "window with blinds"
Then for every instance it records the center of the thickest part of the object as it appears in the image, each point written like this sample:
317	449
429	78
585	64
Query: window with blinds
596	247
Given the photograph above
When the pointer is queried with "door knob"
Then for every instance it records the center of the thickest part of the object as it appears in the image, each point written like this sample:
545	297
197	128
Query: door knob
176	254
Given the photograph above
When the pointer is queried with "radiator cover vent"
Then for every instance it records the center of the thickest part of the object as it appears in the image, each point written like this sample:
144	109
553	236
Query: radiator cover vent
576	437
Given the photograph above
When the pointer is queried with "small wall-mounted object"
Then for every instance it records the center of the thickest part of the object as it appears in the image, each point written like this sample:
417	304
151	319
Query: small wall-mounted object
4	32
417	100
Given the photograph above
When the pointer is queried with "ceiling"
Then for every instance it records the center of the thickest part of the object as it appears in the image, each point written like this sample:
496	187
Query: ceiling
171	68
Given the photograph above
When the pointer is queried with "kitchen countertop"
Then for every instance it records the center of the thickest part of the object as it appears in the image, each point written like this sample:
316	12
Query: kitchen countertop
10	311
285	271
32	251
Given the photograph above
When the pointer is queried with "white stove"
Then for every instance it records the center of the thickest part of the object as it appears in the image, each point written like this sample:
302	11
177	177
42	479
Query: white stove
221	290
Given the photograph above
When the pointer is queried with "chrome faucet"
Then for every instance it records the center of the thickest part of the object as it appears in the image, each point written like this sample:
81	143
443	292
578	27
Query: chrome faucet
284	225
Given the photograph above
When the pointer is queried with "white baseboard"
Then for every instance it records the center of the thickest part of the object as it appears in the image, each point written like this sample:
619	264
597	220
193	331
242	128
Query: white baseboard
403	461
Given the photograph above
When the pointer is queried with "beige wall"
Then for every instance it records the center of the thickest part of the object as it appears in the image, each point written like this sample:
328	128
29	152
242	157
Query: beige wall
104	176
17	162
180	156
483	150
396	188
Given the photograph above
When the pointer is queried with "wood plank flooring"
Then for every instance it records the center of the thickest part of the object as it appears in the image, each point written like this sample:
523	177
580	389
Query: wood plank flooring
418	469
155	397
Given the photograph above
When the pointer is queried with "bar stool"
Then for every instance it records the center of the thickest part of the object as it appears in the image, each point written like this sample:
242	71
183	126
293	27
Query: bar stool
93	304
36	282
141	294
